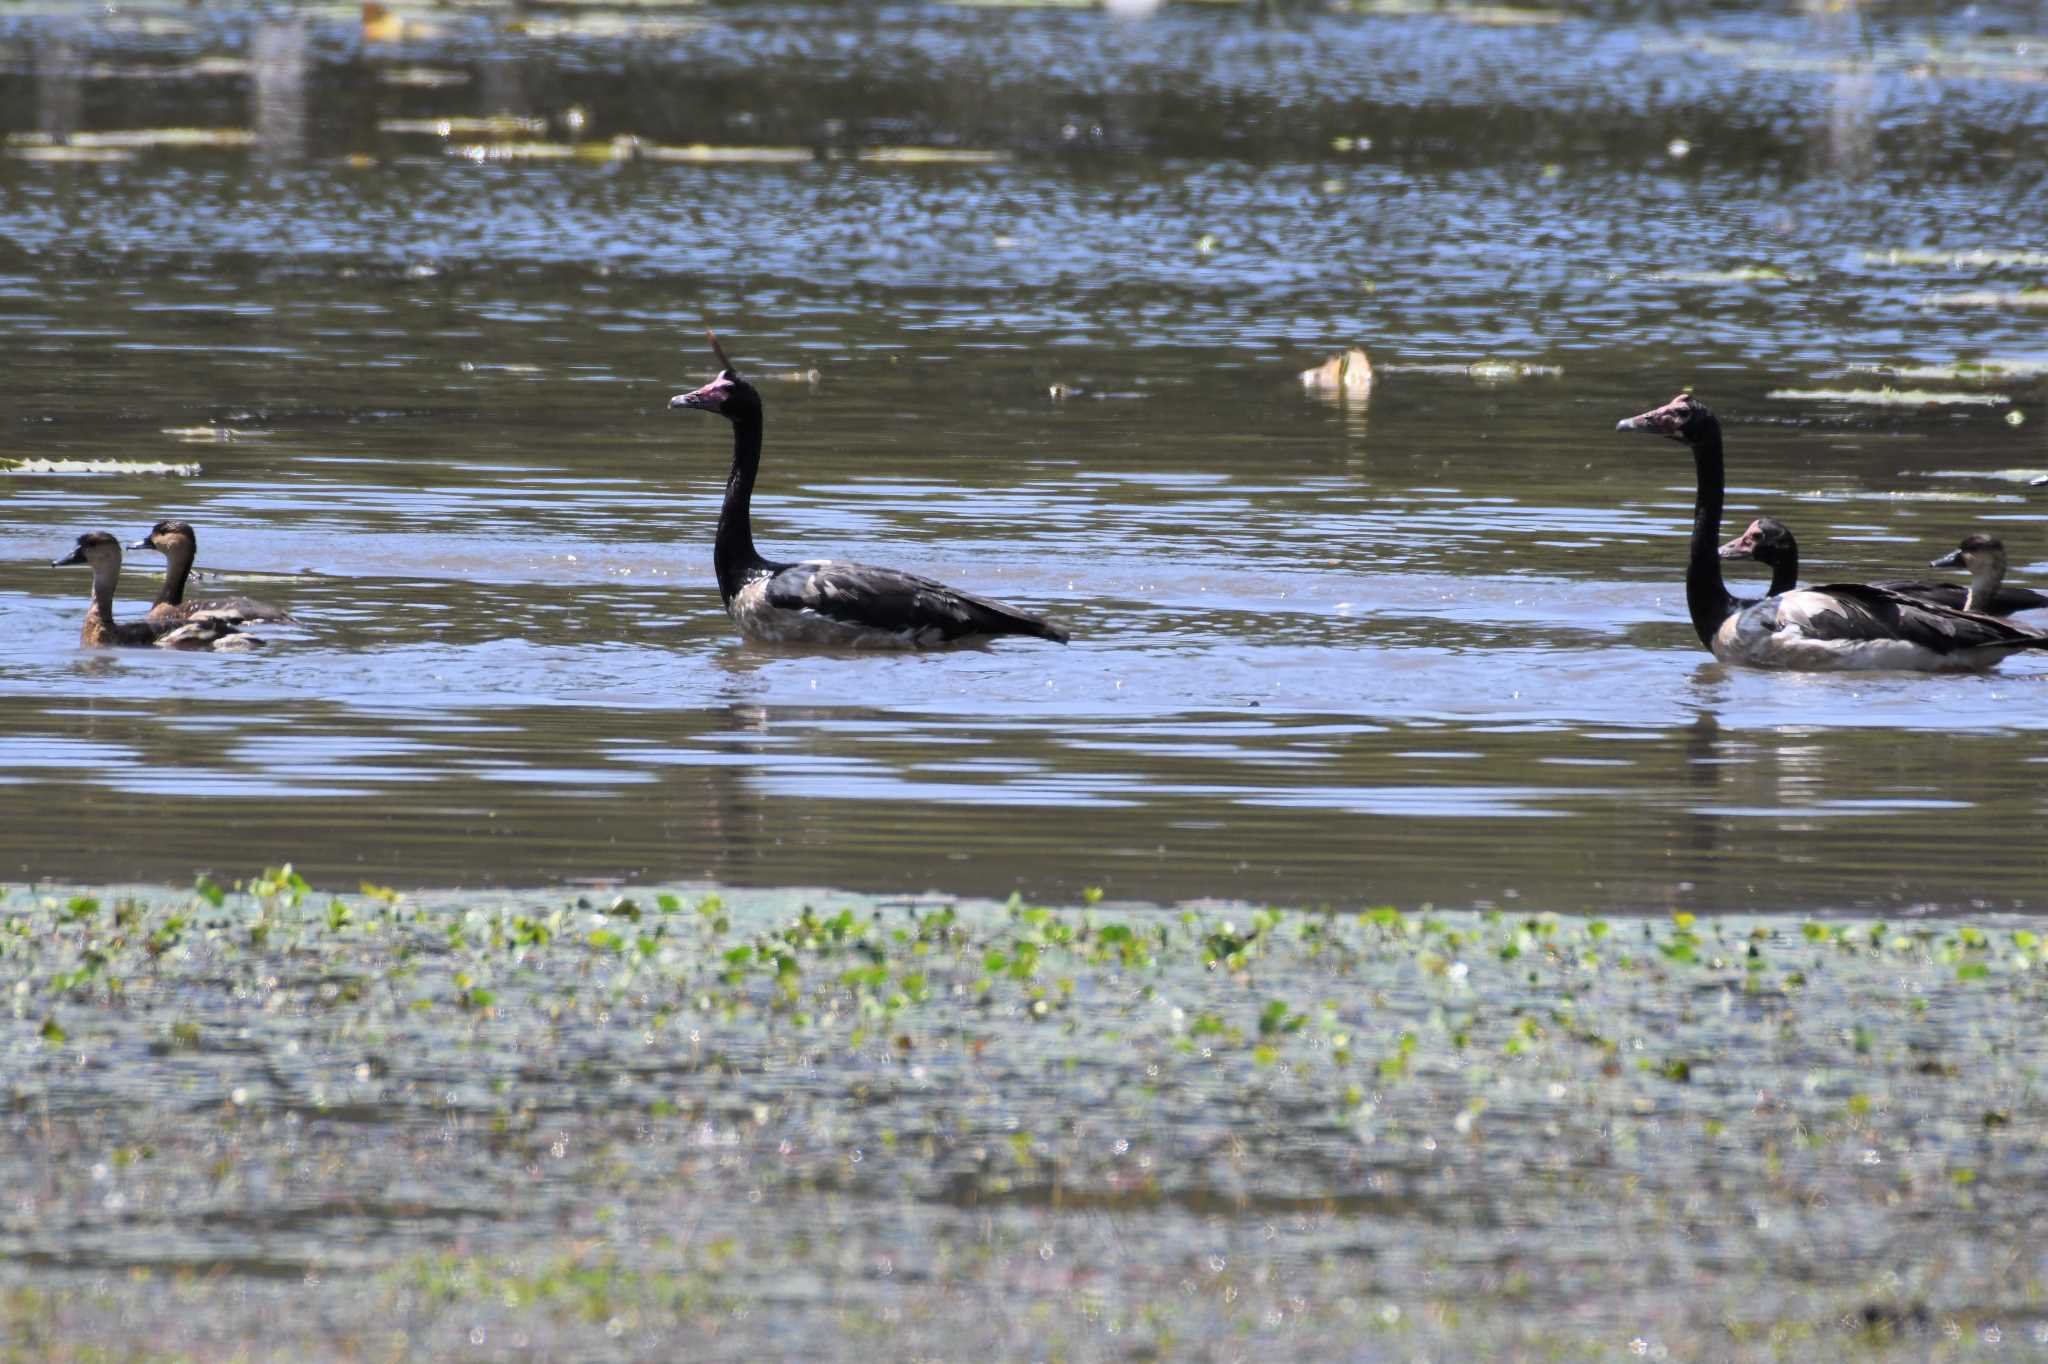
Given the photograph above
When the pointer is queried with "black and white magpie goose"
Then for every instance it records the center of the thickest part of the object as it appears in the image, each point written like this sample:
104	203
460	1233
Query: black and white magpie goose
1840	625
824	601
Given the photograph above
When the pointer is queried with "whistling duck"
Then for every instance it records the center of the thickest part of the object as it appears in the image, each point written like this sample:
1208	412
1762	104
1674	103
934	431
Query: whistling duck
102	553
1770	541
179	544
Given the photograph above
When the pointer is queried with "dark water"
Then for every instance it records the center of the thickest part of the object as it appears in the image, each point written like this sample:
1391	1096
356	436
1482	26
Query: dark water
1428	647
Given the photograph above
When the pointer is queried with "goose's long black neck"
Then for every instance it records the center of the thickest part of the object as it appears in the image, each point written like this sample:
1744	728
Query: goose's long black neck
1785	572
734	556
1706	595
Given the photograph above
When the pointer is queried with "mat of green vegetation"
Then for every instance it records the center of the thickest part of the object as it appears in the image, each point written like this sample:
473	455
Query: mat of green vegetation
675	1124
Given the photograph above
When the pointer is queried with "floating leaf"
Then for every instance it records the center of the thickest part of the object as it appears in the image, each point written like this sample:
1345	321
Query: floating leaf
700	153
133	139
496	125
1891	397
1989	298
588	26
933	156
1503	371
60	155
1958	260
1485	371
210	435
1024	4
618	149
1966	371
94	466
1741	274
1482	16
422	78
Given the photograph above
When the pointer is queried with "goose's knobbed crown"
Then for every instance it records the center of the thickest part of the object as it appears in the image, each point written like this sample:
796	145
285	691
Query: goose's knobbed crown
1683	418
728	395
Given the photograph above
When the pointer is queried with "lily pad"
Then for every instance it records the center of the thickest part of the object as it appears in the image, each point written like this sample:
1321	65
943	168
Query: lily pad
1963	371
136	139
1891	397
1485	371
95	466
587	26
699	153
210	435
619	149
1480	16
422	78
1989	298
934	156
71	155
496	125
1741	274
1959	260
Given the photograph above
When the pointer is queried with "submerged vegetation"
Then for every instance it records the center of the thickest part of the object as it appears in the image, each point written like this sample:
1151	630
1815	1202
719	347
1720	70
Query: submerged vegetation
615	1124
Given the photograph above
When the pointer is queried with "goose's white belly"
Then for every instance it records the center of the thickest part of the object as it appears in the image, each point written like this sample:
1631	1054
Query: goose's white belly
1765	639
758	619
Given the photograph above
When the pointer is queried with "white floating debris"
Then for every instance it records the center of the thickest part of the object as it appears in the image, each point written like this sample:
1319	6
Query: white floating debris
1349	374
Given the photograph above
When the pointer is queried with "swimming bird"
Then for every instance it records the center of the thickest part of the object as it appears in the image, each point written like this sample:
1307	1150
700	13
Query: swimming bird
179	544
1770	541
823	601
102	553
1984	557
1838	626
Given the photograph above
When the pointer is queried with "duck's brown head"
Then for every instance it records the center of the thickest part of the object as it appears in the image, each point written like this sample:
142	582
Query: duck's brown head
1977	552
96	548
169	537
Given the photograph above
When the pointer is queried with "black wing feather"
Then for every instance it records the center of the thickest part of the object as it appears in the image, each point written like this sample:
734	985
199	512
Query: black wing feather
887	599
1869	612
2004	602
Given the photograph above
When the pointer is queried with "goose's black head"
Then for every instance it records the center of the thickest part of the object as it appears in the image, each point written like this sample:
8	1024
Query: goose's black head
730	396
94	547
1975	550
1683	418
1768	541
166	535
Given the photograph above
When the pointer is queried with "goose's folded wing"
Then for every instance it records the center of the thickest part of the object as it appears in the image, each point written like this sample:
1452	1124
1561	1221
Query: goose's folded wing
1950	595
1859	611
887	599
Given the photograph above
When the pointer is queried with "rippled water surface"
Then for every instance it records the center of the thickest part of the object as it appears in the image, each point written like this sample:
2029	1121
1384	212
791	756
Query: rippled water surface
1426	647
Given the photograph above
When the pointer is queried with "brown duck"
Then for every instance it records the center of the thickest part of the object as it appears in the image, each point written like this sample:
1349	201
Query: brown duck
179	544
102	553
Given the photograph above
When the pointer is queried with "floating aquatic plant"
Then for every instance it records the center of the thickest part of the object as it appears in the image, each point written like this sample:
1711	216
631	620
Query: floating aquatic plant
139	139
98	467
1891	397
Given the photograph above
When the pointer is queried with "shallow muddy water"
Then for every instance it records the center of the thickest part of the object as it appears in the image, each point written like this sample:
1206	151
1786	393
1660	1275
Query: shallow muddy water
1429	647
